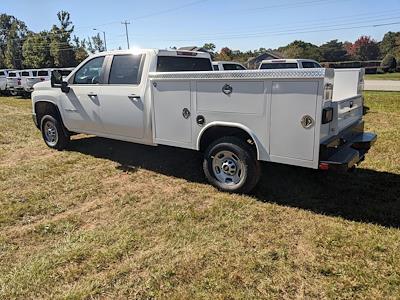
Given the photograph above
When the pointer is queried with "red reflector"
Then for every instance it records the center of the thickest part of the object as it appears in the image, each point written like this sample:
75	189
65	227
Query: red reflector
323	166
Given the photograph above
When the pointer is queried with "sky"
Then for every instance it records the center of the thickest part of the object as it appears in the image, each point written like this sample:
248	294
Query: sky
237	24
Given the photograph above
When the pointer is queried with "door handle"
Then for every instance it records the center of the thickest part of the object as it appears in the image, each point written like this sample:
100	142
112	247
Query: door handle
92	95
134	97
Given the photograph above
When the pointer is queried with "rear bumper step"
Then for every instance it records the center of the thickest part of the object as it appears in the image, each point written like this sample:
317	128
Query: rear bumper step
346	150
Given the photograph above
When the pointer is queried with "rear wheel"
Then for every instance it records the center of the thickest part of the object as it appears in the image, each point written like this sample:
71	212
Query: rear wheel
231	165
53	133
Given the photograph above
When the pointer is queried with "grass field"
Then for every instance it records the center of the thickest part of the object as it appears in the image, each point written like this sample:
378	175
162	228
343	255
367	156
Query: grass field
387	76
108	219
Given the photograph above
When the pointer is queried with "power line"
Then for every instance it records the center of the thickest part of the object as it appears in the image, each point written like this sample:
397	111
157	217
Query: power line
161	12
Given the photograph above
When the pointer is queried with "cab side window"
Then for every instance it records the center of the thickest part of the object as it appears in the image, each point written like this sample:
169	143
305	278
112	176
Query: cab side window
90	73
125	69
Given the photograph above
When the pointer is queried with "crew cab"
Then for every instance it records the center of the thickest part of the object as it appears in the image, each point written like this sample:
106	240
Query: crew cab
227	66
236	118
273	64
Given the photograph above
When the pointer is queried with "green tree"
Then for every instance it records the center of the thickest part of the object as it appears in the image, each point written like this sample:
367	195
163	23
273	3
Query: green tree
209	46
80	50
61	48
98	44
391	44
389	63
12	34
333	51
301	49
36	52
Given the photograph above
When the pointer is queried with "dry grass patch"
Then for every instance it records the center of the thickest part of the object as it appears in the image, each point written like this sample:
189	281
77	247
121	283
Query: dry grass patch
108	219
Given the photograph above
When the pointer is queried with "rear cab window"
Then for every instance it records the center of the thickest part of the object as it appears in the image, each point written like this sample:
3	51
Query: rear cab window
183	64
126	69
2	73
43	73
274	66
233	67
25	74
12	74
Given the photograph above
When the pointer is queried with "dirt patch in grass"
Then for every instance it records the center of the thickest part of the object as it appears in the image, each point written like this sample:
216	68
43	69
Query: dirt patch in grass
108	219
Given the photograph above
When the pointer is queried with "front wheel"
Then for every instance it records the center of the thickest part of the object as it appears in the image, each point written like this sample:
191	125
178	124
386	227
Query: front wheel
53	133
231	166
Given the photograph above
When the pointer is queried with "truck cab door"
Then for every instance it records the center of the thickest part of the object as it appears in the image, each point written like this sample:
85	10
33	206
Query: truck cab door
122	106
81	106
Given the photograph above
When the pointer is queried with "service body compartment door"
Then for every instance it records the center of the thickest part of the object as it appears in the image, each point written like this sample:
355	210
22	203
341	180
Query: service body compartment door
244	97
293	117
172	115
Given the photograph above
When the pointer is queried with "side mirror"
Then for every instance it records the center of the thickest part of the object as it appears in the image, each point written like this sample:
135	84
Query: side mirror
57	81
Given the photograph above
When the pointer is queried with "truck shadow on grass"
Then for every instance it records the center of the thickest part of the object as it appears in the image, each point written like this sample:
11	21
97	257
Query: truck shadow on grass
363	196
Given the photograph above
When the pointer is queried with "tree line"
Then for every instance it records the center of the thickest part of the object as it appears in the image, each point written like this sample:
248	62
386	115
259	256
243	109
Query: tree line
58	47
363	49
21	48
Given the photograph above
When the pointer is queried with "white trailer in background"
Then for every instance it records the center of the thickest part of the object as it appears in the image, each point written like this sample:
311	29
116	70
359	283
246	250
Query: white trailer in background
237	118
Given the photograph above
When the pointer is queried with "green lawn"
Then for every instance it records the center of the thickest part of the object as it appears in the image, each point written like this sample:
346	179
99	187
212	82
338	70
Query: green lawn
108	219
387	76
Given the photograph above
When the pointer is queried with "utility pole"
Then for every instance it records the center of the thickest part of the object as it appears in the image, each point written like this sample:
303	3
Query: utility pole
126	23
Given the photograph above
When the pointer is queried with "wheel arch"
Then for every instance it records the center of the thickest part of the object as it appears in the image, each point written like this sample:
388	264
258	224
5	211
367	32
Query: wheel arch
215	130
47	107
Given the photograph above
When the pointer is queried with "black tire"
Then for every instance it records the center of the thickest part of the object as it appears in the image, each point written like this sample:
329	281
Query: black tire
53	133
236	169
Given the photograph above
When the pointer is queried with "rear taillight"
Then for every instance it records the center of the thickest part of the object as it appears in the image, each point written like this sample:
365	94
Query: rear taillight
19	81
323	166
328	91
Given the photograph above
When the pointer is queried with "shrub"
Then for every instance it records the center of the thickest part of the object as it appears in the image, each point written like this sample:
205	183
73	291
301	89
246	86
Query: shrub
389	63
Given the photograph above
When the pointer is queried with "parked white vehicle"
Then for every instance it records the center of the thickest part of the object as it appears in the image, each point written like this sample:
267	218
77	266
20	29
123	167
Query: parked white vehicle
274	64
37	76
42	75
13	82
227	66
3	80
237	118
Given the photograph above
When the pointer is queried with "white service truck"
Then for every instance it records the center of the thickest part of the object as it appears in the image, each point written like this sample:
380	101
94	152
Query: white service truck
236	118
